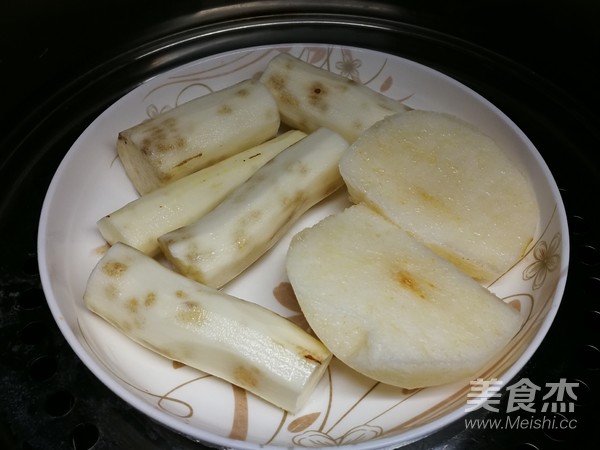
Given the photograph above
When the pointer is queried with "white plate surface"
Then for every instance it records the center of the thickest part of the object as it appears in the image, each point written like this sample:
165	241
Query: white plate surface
346	408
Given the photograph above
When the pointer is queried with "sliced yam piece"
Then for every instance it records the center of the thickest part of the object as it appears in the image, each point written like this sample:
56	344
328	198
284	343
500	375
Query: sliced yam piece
141	222
309	98
251	219
197	134
447	184
236	340
389	307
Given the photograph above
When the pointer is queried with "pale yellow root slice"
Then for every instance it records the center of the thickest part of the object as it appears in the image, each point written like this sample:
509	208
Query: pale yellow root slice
236	340
309	98
390	308
447	184
197	134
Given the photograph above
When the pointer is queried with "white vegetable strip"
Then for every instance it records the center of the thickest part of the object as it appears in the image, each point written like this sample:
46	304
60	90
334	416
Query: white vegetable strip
224	242
309	98
197	134
142	221
239	341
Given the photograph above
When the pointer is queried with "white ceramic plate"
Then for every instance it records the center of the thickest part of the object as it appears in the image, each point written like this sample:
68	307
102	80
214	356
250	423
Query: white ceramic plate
346	408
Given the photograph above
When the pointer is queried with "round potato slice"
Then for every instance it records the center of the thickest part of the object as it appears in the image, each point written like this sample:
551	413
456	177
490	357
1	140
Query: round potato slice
448	185
389	307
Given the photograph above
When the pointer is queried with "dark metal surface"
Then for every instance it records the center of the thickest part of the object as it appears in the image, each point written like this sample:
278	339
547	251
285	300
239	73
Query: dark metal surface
63	62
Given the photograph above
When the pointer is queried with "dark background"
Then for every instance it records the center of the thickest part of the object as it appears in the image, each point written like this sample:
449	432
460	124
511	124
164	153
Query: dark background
537	60
45	43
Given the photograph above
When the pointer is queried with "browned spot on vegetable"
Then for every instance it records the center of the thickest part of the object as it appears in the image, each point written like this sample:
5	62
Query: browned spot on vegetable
297	166
180	142
288	99
185	161
114	268
150	299
111	291
164	147
243	92
427	197
145	147
158	134
254	156
435	202
317	95
132	305
224	109
165	177
312	358
293	202
167	241
276	81
180	294
192	255
246	376
190	313
407	281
